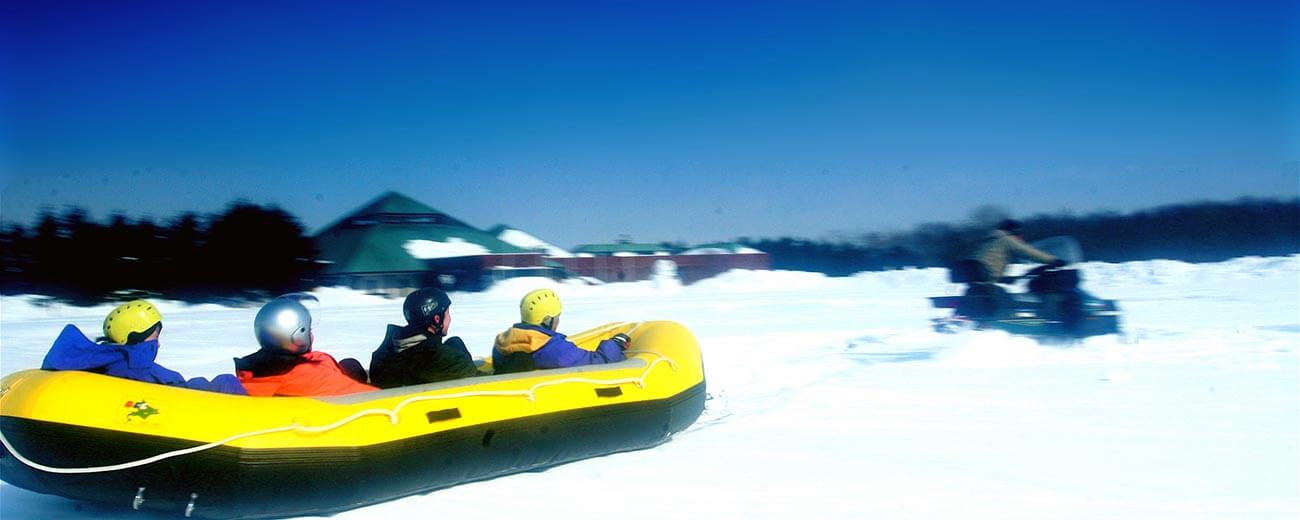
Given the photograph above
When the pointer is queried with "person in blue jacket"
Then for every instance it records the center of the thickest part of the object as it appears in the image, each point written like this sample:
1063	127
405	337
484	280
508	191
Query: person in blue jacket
534	342
127	350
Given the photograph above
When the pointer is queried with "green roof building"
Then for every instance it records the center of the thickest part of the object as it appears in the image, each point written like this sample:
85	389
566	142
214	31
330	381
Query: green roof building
395	244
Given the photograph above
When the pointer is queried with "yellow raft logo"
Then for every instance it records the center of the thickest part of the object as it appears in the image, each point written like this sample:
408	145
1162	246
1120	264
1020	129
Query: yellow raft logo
140	410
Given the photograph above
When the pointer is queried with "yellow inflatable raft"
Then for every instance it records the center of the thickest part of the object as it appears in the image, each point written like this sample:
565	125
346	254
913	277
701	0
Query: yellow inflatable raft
91	437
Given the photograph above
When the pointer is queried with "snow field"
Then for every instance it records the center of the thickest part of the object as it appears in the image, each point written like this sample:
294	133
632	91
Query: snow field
832	398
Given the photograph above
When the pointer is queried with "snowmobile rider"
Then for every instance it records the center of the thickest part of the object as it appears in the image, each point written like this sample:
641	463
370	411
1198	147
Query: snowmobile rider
286	363
1003	245
129	350
420	352
535	343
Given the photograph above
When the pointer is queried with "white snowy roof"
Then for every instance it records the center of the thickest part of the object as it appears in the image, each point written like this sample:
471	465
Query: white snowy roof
524	240
739	250
453	247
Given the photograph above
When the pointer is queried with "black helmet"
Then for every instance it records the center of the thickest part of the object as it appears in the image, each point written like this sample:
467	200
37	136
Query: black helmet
421	306
1011	226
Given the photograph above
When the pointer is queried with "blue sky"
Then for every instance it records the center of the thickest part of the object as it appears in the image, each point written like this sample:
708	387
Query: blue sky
584	121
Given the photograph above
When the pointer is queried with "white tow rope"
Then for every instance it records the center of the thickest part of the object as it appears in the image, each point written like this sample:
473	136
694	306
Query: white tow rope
392	415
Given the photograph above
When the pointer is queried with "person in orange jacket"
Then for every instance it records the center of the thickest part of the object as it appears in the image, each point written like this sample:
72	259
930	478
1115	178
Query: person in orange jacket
286	363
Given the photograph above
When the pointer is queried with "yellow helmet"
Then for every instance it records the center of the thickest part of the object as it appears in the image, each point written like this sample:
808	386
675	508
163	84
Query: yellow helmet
135	316
539	305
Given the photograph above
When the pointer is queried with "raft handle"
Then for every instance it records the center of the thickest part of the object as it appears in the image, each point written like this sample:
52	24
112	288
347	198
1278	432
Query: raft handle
609	392
443	415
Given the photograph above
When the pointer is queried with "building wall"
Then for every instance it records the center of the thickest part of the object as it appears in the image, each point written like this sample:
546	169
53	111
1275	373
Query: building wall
691	268
471	273
392	285
474	273
511	260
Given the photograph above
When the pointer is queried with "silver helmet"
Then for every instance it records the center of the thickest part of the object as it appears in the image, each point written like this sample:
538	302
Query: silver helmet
285	323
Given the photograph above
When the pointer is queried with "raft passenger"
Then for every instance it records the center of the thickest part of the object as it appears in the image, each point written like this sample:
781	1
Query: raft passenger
535	343
286	363
129	349
421	352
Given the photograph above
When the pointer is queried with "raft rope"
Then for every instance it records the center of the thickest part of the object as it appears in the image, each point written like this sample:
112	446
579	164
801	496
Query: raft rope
530	393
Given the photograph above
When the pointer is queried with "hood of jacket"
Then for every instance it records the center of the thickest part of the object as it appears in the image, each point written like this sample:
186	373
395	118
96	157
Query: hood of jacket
522	337
72	350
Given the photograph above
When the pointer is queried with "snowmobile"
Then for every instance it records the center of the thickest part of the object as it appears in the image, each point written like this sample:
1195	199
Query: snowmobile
1052	306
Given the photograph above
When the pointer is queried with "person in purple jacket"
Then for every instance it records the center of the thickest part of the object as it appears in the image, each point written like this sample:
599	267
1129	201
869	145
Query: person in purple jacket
534	342
127	350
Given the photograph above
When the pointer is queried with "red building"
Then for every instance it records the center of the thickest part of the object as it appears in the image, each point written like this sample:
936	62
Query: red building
625	262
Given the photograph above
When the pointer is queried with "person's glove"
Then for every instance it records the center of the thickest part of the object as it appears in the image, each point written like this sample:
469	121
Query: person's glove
622	340
1058	263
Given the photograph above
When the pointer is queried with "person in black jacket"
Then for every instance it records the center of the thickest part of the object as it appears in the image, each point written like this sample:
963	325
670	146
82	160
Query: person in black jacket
420	352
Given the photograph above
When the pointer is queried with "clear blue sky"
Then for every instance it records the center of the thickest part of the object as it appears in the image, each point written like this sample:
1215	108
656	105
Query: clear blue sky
580	122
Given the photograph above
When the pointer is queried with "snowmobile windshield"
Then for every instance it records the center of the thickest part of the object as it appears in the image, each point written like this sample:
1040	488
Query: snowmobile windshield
1065	248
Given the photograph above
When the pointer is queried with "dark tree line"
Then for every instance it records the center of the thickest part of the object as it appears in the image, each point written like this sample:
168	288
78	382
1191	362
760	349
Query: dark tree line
1197	232
247	251
253	252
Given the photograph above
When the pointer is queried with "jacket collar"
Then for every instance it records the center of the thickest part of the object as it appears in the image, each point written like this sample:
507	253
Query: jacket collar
140	355
268	363
398	338
539	328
